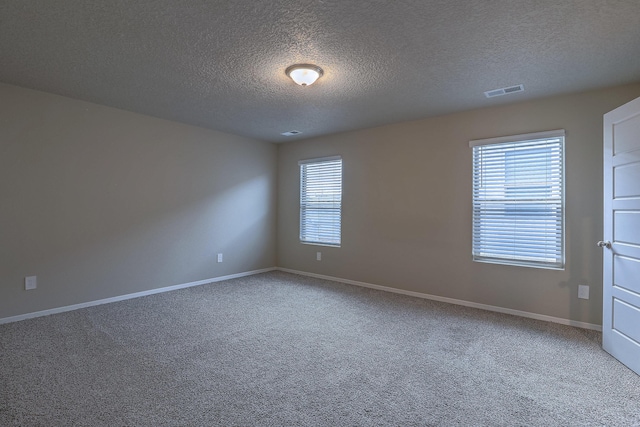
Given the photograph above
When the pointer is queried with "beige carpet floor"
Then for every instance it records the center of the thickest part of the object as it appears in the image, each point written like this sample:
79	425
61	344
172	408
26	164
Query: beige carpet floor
278	349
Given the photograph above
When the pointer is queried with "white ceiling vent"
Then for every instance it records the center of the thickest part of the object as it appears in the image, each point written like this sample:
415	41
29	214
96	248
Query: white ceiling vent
291	133
504	91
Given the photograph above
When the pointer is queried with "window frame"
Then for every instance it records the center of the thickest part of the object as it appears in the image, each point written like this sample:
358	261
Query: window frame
331	237
483	251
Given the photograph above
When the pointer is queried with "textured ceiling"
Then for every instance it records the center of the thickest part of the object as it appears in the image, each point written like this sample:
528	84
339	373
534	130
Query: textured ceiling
220	64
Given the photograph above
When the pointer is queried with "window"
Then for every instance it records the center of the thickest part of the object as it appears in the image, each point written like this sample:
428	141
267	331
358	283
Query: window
518	200
321	201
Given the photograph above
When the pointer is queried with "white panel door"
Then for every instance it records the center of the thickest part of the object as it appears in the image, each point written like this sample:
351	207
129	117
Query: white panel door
621	244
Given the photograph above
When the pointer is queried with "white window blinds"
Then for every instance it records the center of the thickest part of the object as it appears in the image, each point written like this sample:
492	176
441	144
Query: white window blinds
518	199
321	201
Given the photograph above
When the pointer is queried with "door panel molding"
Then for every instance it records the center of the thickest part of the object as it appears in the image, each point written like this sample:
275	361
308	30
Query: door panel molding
621	262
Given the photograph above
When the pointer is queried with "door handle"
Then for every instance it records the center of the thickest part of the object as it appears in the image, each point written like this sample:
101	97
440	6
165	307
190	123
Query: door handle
604	244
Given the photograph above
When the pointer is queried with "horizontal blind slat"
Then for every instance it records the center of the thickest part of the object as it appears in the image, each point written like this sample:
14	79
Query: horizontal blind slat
518	207
321	201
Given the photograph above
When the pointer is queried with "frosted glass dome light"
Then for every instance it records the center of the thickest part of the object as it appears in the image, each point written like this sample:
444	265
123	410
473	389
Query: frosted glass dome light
304	74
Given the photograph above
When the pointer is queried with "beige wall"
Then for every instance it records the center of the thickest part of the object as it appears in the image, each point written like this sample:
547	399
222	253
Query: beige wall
99	202
407	206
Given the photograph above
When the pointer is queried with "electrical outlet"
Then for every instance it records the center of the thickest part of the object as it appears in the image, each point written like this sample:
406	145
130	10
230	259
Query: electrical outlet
318	256
30	282
219	257
583	291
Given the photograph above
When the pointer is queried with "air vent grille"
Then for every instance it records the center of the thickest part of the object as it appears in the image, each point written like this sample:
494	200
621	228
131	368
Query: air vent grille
504	91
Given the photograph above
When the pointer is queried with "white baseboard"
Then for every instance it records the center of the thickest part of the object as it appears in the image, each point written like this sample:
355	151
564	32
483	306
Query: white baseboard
497	309
130	296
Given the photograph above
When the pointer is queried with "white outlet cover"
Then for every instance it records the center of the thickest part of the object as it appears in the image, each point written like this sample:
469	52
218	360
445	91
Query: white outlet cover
219	257
30	282
319	256
583	291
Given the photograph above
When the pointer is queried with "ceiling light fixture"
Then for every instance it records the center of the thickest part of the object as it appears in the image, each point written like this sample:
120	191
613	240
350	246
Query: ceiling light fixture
304	74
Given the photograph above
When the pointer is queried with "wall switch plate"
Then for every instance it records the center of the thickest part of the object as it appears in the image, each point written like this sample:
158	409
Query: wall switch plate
30	282
318	256
219	257
583	291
